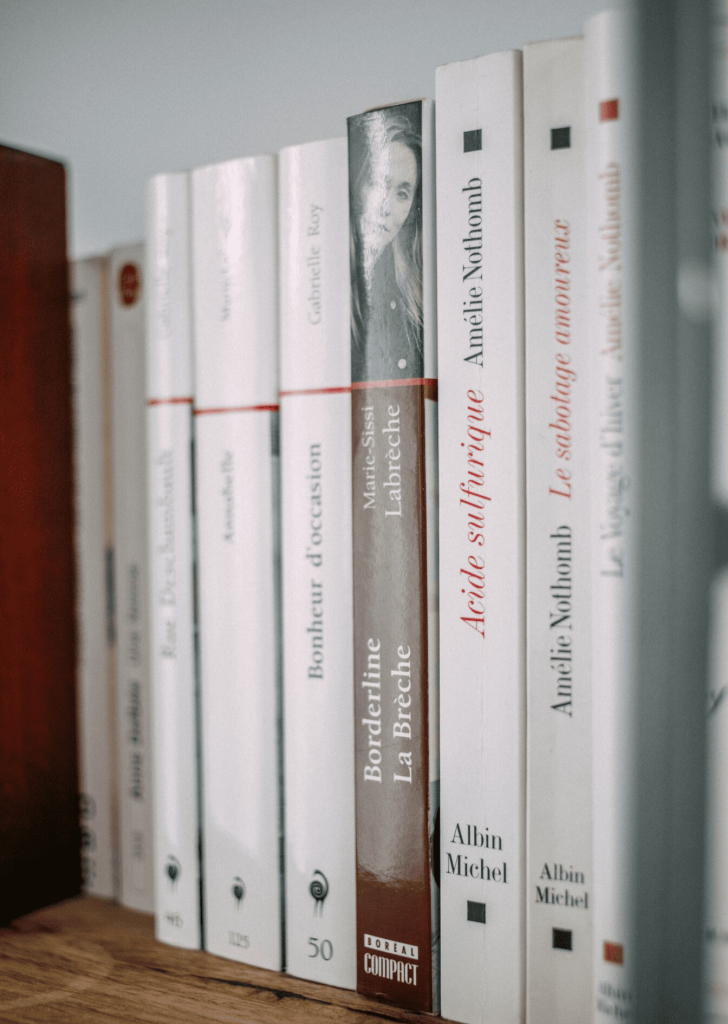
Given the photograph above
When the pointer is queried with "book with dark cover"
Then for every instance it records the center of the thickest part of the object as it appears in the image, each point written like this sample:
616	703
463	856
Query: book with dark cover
39	823
394	562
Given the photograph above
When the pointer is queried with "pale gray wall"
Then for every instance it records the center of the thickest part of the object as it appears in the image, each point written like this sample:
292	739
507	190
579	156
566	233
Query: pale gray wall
122	89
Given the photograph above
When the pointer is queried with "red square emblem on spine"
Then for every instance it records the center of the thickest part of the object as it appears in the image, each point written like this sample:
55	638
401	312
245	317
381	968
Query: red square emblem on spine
609	110
614	951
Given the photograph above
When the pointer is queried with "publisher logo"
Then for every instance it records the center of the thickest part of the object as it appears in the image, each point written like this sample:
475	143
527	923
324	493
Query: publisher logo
173	869
405	949
238	890
561	138
383	966
609	110
614	952
561	938
129	284
319	889
473	140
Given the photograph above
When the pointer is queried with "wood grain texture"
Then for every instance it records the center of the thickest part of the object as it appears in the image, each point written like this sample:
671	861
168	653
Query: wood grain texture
87	961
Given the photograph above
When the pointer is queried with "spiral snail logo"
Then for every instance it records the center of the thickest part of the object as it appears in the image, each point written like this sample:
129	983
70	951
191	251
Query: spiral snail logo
173	869
319	889
238	890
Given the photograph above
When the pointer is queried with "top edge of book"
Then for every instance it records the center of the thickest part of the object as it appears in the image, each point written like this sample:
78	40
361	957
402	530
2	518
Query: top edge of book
129	249
15	154
605	15
165	177
313	145
551	42
238	161
470	61
93	258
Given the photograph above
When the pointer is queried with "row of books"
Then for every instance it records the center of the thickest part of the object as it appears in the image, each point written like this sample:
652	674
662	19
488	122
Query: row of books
367	613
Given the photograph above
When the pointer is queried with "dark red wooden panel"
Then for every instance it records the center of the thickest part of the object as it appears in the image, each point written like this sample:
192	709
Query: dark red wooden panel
39	834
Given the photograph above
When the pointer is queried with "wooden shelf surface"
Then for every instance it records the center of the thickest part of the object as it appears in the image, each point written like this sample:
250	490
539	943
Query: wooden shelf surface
88	961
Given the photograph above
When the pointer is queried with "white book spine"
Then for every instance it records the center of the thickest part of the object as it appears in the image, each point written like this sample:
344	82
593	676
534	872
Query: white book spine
173	663
236	428
126	304
559	749
97	737
482	538
610	251
317	583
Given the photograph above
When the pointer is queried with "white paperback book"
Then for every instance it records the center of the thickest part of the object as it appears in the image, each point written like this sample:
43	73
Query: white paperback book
127	299
482	537
609	97
235	274
96	694
559	750
177	850
317	582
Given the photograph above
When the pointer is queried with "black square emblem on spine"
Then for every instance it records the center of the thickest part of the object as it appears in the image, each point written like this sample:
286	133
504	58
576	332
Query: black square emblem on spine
476	912
472	140
561	939
561	138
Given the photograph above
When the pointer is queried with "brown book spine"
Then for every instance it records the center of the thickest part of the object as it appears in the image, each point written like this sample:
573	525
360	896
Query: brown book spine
39	819
391	428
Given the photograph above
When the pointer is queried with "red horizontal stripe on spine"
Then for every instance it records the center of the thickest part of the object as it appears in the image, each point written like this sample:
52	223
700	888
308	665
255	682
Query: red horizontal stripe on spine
169	401
318	391
426	381
237	408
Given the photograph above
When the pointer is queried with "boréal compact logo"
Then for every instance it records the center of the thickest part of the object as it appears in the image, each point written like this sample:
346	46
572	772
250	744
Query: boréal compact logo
381	962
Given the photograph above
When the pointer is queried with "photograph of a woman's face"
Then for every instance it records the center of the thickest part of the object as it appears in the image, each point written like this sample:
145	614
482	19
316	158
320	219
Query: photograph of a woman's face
387	198
386	243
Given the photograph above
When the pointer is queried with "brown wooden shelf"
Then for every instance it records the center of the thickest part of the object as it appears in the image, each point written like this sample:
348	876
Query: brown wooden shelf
88	961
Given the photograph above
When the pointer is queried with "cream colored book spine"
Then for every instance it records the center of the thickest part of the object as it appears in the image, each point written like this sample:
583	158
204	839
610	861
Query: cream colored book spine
482	538
127	297
559	750
96	710
317	583
235	278
177	838
610	117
